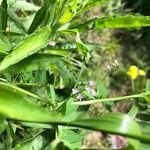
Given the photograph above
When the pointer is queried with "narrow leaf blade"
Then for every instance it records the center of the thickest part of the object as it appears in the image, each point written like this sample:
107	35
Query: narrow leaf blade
3	12
114	22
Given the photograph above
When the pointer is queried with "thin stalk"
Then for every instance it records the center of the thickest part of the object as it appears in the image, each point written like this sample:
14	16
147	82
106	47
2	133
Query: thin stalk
27	93
56	128
133	85
134	109
88	102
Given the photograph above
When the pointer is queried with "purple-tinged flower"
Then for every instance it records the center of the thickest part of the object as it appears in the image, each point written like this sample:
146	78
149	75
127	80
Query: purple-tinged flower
91	91
88	89
92	83
117	141
80	97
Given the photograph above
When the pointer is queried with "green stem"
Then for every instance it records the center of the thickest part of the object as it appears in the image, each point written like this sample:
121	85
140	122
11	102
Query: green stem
26	93
56	131
134	109
111	99
133	85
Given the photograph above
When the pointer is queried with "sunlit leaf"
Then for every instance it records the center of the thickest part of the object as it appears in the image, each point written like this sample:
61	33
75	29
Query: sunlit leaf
18	106
27	47
114	22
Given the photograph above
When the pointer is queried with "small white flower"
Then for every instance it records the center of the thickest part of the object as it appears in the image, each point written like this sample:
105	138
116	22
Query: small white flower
108	66
75	91
115	63
93	93
52	43
80	97
92	83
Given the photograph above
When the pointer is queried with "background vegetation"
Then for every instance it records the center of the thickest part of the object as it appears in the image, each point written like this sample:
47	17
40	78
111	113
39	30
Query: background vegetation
74	74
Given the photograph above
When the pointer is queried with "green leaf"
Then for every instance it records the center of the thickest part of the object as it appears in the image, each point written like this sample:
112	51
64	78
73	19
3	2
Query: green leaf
101	90
66	16
40	16
60	10
148	85
35	144
144	125
132	144
40	77
133	111
18	106
83	50
110	123
57	145
114	22
52	14
114	124
38	19
5	46
144	146
59	52
71	138
44	61
2	124
15	19
19	90
68	110
3	15
36	125
29	46
66	46
52	93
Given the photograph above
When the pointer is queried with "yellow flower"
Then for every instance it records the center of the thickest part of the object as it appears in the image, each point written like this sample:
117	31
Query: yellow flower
134	72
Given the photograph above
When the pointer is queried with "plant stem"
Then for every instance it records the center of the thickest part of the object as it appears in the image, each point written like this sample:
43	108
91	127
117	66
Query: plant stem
133	85
88	102
56	131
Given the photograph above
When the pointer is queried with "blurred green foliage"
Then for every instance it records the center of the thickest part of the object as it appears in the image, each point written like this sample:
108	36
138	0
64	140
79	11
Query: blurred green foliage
61	64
